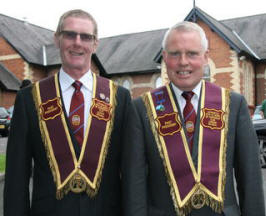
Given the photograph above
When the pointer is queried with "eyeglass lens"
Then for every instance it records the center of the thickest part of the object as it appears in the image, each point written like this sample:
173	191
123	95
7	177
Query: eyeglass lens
71	35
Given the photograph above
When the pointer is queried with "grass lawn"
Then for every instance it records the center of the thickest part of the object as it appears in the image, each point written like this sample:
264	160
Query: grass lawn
2	162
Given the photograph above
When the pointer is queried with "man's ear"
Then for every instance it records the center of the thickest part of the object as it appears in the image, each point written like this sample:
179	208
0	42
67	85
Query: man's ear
95	45
164	54
56	40
206	56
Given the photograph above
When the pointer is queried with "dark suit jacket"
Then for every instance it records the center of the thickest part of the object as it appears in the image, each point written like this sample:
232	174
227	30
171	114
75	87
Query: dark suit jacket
25	144
146	190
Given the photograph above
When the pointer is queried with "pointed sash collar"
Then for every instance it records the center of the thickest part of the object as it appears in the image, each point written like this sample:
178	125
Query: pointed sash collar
192	186
71	173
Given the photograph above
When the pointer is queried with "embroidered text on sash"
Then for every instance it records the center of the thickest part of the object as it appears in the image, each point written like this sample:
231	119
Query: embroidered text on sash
72	173
203	184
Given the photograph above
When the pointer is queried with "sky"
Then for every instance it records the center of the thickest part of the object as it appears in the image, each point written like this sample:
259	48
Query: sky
116	17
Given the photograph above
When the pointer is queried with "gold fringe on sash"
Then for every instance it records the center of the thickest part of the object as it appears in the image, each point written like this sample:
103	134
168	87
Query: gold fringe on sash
35	99
92	192
154	130
214	204
64	190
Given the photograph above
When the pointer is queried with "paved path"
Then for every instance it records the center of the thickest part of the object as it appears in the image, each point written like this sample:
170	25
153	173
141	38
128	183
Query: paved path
3	141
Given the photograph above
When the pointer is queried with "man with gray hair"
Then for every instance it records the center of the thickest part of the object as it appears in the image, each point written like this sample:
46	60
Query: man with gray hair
188	139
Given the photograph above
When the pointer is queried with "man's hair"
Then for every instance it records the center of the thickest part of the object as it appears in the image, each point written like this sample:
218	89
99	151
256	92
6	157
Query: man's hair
25	83
186	26
76	13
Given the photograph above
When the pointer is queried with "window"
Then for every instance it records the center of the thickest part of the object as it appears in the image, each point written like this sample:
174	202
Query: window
207	73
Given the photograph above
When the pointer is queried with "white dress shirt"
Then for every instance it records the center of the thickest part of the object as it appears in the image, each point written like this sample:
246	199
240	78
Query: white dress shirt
67	89
182	101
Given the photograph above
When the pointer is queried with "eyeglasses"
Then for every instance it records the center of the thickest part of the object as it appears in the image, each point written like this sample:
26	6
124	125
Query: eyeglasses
189	54
72	35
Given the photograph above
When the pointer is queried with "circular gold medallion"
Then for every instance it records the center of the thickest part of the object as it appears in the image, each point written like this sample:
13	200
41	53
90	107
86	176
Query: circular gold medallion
190	126
77	184
75	120
198	199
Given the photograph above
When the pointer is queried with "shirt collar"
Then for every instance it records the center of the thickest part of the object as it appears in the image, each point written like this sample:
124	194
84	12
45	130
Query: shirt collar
66	80
179	92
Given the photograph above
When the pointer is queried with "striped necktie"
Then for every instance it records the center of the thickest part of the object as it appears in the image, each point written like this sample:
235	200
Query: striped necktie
76	113
189	115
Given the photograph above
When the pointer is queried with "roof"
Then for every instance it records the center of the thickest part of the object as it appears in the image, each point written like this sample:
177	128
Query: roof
8	80
131	53
138	52
233	38
52	55
252	31
25	38
35	44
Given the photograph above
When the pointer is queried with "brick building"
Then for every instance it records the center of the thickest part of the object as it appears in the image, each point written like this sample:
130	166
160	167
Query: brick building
27	52
9	85
237	57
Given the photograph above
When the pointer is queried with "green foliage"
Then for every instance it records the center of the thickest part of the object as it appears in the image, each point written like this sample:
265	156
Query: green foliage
2	163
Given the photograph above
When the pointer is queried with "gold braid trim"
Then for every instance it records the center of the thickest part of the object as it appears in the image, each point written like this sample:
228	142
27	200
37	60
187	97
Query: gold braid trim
154	130
226	120
90	191
42	130
214	204
60	193
63	191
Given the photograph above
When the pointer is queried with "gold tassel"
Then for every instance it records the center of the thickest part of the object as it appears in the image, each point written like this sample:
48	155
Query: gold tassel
154	130
90	191
42	130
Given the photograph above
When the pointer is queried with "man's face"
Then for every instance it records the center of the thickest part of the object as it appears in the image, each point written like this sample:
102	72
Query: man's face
76	50
185	59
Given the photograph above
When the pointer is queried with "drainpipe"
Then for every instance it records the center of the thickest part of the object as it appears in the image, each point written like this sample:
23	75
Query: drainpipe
44	55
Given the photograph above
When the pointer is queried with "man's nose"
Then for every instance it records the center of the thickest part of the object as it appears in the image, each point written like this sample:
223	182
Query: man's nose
78	40
183	59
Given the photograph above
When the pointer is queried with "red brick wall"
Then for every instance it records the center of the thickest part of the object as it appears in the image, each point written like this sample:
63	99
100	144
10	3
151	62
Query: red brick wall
7	99
142	84
139	84
16	65
219	49
140	79
219	52
38	72
52	70
139	91
223	80
261	83
94	68
5	48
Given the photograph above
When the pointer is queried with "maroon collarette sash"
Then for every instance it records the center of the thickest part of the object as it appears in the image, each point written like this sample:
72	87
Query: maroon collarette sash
71	173
192	187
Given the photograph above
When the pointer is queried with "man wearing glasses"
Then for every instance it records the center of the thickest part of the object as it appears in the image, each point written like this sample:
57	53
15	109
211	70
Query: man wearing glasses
72	127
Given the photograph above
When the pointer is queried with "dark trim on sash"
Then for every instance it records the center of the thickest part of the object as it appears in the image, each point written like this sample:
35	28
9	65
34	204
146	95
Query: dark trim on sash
192	186
72	173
